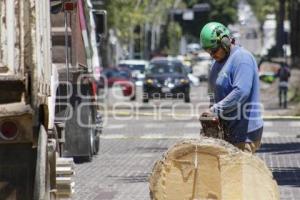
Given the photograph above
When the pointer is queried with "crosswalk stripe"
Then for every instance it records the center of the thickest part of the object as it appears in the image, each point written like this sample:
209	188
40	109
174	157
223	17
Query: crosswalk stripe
114	136
166	136
115	126
151	136
191	136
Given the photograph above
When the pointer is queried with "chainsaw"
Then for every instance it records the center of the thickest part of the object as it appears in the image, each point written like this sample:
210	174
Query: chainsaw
211	126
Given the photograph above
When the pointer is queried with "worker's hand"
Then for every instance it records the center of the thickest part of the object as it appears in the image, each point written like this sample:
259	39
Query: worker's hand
209	115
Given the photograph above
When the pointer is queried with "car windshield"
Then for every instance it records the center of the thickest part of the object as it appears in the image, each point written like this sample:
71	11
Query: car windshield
165	68
116	74
134	67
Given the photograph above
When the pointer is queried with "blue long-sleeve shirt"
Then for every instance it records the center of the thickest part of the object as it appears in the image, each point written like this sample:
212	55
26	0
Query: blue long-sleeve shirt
235	85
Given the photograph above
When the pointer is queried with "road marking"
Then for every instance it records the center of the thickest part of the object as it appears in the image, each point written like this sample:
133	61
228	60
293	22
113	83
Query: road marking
114	136
268	124
115	126
270	134
191	136
294	124
154	125
151	136
192	125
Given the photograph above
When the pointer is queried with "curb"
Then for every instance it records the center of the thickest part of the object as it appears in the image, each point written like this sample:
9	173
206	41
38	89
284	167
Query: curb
282	118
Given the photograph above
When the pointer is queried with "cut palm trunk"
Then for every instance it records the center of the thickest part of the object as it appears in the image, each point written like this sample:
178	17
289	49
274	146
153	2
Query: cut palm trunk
210	168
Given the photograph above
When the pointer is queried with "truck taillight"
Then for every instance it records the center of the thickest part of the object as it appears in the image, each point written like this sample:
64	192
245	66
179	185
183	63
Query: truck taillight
8	130
69	6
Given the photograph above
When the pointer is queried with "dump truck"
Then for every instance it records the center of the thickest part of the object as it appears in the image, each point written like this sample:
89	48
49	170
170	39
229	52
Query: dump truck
33	135
75	47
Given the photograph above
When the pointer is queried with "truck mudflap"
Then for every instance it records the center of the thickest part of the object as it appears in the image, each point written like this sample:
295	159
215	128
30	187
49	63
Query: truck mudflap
17	169
7	191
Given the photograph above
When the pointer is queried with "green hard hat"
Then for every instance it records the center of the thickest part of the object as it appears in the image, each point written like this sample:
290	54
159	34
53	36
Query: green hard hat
211	35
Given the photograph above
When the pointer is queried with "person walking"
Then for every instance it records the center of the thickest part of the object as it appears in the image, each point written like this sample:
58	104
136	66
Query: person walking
234	84
283	74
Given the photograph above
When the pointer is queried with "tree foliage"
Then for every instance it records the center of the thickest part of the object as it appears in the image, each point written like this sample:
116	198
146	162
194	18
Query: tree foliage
224	11
174	35
125	15
263	7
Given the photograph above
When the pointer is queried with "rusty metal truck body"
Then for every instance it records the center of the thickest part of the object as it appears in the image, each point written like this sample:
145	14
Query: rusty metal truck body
76	56
32	96
25	91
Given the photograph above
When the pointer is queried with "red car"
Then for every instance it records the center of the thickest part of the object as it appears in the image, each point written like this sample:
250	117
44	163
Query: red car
114	76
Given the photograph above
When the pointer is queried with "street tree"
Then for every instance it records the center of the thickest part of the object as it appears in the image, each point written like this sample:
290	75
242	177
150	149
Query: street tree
294	15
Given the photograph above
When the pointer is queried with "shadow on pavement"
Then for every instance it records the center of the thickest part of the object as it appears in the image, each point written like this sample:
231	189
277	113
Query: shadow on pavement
287	176
280	148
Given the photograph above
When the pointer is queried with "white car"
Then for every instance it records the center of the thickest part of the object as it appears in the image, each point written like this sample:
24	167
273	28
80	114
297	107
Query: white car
137	68
202	66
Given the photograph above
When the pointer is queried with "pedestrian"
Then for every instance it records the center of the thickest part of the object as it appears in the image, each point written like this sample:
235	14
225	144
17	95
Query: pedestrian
283	74
234	83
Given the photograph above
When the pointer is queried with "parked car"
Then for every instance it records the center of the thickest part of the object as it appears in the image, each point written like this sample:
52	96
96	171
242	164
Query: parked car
137	68
166	78
119	77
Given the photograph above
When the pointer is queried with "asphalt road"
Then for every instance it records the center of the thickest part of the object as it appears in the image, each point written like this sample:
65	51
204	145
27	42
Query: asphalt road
134	138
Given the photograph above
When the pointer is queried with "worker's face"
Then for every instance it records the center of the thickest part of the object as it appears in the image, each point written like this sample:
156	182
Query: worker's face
218	53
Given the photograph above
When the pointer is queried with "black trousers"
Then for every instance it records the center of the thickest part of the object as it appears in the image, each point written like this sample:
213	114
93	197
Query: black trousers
283	96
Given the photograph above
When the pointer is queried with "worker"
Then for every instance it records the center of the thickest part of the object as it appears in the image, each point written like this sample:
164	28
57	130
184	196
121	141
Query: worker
234	85
283	74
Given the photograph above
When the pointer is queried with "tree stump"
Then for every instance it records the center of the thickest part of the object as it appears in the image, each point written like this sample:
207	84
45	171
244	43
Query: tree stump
209	168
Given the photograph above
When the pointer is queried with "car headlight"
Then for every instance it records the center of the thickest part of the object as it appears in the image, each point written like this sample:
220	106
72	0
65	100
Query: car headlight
149	81
184	81
181	81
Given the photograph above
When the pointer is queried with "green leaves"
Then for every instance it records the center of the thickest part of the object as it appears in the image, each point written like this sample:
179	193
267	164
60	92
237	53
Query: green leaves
263	7
124	15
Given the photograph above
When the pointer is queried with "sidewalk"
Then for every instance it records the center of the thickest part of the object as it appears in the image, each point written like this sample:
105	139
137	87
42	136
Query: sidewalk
269	98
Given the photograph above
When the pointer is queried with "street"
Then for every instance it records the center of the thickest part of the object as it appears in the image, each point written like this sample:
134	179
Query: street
136	135
131	143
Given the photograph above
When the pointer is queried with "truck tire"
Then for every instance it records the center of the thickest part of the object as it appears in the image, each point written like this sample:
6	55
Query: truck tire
97	144
187	98
86	117
42	176
17	171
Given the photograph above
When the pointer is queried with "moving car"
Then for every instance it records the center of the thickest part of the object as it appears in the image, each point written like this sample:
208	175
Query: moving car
137	68
166	78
